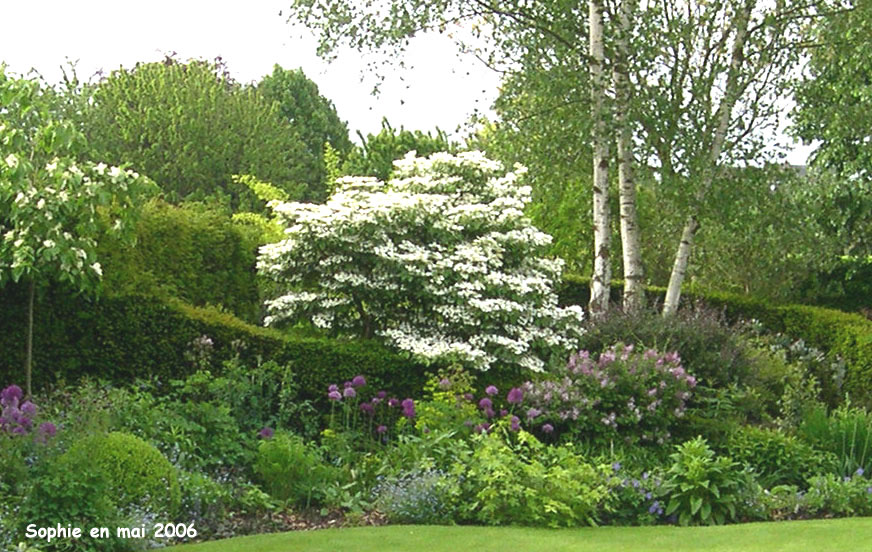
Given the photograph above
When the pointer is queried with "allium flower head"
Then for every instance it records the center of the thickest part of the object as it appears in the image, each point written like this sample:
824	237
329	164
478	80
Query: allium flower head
491	390
533	413
409	408
515	396
515	423
11	395
393	401
547	428
333	387
381	429
48	429
334	396
485	403
382	394
349	392
358	381
266	433
28	408
445	383
366	408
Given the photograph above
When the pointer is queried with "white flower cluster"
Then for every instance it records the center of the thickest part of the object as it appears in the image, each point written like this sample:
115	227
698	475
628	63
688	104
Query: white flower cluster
440	261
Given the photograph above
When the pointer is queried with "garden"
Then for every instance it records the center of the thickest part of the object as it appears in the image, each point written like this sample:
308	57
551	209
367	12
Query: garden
272	337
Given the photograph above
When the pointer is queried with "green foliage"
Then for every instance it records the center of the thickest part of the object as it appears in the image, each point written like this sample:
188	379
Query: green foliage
314	118
846	432
137	474
700	487
831	495
189	126
71	489
376	156
527	483
292	471
124	338
775	457
192	252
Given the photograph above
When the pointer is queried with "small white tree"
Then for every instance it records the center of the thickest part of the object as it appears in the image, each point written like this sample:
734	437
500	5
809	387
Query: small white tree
440	261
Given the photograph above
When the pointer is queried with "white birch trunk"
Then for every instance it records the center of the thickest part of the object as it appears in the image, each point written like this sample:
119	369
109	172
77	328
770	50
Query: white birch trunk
723	115
631	239
601	280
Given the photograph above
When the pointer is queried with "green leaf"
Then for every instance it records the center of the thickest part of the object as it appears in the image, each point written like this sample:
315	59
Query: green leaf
695	505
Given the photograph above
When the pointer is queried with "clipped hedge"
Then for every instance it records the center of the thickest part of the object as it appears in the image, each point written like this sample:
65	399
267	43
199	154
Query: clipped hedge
193	252
845	334
126	337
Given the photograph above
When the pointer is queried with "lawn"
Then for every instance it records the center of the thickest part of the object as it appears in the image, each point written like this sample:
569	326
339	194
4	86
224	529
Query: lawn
842	535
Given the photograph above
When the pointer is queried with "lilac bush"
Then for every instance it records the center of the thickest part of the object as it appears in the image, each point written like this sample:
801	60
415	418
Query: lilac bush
635	396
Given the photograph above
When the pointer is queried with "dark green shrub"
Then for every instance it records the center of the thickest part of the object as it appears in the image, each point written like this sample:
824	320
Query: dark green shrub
292	471
120	339
137	474
700	487
777	458
192	252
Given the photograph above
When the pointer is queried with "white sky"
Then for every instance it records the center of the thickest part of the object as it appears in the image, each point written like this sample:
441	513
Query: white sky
441	89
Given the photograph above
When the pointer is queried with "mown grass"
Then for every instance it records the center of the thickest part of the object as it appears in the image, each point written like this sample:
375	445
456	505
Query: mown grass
842	535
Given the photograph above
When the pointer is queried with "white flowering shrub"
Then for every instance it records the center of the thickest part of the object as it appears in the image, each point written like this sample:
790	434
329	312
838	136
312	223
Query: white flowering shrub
440	261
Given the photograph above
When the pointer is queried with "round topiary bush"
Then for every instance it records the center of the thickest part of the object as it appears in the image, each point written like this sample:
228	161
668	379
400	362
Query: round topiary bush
138	474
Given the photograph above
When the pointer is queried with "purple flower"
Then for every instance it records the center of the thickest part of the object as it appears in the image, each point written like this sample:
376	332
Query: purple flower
28	408
334	396
393	401
516	423
358	381
491	390
445	383
11	395
616	466
503	413
469	396
515	396
333	387
489	413
366	408
547	428
18	430
533	413
409	408
859	472
349	392
347	384
485	403
47	429
482	428
381	394
266	433
381	429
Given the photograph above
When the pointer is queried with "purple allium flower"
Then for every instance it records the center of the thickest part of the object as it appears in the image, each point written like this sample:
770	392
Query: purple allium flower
482	428
491	390
489	413
381	429
445	383
382	394
349	393
333	387
375	401
485	403
28	408
18	430
533	413
358	381
503	413
515	396
48	429
347	384
547	428
334	396
469	396
266	433
393	401
11	395
409	408
516	423
366	408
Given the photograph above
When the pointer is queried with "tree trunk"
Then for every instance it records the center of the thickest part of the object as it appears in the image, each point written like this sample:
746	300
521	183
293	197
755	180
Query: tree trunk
601	281
631	239
28	360
723	115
